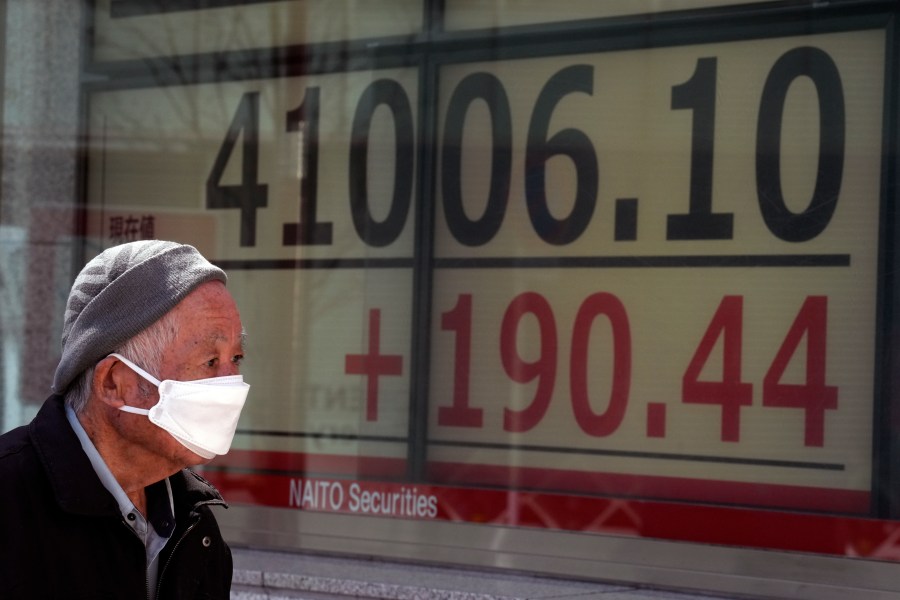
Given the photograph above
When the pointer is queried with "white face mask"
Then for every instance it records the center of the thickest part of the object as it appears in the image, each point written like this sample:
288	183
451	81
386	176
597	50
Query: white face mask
201	414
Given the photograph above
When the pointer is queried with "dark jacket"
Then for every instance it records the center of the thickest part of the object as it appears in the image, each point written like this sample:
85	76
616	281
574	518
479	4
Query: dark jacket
62	535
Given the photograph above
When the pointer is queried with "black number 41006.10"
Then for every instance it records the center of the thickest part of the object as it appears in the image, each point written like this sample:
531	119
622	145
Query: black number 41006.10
697	94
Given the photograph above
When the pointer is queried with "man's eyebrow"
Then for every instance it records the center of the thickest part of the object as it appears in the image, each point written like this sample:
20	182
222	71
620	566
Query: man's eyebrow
214	338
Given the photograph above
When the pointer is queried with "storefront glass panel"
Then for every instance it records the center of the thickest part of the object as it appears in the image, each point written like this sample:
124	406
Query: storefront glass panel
617	271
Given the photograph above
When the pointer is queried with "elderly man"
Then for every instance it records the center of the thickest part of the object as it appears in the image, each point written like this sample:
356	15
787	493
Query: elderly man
96	499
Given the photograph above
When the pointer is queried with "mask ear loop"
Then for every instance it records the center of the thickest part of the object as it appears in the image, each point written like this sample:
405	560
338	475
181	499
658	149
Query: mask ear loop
142	373
137	369
135	410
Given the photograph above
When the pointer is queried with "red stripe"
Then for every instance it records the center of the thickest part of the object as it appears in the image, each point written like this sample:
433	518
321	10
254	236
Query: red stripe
557	480
645	486
296	462
754	528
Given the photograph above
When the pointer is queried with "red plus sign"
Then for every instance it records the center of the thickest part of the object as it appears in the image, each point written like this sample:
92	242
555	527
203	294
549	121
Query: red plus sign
373	365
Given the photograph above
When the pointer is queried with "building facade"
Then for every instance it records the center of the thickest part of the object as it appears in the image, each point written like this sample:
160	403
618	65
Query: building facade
593	290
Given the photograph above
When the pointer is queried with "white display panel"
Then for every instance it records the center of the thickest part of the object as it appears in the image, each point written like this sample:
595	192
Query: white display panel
580	285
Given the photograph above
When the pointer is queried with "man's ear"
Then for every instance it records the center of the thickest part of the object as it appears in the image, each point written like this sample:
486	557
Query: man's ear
113	382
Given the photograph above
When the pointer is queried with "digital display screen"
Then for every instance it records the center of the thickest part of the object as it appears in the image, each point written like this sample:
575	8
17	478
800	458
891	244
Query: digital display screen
644	272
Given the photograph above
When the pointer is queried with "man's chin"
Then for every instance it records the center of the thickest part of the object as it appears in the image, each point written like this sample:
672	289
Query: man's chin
199	461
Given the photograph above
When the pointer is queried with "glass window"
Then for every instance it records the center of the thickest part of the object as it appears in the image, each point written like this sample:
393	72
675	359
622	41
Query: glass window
510	266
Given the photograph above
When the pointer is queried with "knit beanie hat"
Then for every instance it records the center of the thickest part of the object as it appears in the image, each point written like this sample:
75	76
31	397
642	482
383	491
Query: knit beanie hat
120	293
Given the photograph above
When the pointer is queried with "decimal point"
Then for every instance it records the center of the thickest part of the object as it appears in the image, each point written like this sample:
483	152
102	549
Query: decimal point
626	219
656	419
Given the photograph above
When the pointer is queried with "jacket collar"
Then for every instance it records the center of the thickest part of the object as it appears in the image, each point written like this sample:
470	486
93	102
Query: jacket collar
76	486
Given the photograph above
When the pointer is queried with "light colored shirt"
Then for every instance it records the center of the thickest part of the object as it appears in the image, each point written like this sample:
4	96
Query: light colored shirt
153	541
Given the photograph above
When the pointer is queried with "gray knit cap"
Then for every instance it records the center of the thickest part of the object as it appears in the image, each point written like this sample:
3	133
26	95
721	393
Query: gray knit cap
120	293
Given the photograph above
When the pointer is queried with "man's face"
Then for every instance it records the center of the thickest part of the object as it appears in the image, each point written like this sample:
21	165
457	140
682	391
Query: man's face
209	343
210	336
